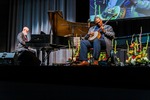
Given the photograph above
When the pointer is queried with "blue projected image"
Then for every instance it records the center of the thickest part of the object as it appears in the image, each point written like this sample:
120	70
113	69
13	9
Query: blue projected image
105	9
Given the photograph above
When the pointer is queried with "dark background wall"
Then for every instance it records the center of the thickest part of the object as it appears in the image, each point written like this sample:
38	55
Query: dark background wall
4	17
82	10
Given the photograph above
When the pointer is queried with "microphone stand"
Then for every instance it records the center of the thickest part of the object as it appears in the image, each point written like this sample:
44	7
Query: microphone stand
72	43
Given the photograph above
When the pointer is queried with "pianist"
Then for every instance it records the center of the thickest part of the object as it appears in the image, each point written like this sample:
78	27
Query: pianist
22	38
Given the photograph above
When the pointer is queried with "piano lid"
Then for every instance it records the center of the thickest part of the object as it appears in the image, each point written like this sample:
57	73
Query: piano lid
61	27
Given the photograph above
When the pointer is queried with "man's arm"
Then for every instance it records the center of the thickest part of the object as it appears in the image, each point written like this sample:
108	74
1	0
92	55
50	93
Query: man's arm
109	31
20	39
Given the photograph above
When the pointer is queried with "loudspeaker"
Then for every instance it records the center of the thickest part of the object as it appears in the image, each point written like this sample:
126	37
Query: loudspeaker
8	58
28	58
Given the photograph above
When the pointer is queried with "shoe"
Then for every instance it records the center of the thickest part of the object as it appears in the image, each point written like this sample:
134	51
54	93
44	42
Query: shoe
95	62
83	63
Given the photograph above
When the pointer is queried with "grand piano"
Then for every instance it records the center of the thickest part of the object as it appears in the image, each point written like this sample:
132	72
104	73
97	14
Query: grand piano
41	42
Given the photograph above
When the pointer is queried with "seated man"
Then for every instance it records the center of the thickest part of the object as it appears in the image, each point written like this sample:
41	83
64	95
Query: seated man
22	39
105	35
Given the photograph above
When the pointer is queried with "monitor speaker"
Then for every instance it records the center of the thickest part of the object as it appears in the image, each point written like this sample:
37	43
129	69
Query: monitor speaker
7	58
27	58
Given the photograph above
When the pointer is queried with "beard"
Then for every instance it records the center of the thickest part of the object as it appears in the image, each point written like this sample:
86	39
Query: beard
25	33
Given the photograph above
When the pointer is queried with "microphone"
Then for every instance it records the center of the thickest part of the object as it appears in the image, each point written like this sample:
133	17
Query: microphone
89	22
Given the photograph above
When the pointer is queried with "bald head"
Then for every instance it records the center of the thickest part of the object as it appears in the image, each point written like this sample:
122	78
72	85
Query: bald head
25	30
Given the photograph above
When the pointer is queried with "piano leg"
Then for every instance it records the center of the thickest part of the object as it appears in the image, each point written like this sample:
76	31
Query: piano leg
43	56
46	51
38	53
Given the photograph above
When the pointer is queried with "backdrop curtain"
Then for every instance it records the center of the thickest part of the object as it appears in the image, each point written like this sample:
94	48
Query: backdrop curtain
34	14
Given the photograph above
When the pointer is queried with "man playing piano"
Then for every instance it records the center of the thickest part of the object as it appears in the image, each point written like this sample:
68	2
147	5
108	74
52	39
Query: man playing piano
102	41
22	39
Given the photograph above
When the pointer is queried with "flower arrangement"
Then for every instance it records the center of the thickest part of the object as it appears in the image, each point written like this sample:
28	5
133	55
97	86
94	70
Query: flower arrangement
103	56
75	51
136	54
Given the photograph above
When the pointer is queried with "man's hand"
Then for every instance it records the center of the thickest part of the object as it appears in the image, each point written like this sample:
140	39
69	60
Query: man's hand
102	28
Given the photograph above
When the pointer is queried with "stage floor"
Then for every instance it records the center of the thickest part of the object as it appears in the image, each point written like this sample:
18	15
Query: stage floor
100	76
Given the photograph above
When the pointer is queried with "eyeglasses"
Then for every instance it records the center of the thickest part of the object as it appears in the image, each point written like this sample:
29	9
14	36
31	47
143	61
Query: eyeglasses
98	22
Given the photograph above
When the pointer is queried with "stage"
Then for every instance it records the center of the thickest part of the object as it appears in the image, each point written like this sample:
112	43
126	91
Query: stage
131	77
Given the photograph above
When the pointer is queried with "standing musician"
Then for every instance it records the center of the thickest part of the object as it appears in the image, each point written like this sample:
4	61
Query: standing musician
103	40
